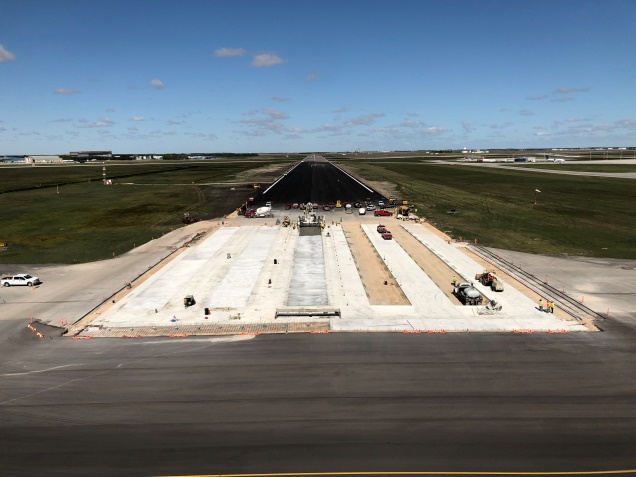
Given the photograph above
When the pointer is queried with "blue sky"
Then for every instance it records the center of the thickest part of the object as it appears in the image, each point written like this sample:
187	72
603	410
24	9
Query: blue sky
282	76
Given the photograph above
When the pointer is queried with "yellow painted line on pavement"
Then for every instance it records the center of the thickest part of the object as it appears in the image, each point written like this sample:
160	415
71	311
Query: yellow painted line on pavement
310	474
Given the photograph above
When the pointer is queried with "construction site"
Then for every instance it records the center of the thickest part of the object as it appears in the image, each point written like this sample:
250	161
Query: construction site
317	267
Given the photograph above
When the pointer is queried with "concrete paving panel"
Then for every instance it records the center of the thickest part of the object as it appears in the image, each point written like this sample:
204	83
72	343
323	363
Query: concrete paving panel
519	309
308	284
237	285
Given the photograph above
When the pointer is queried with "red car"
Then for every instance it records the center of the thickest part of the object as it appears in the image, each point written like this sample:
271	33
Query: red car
287	206
295	206
250	213
387	235
383	213
326	208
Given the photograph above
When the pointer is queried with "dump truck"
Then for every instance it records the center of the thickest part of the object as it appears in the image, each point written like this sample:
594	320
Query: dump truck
489	279
467	294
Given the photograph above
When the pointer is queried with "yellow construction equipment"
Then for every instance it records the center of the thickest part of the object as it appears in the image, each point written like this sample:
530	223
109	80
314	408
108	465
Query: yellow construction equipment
489	279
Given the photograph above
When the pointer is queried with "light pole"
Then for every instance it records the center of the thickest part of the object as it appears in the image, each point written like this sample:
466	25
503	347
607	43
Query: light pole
535	196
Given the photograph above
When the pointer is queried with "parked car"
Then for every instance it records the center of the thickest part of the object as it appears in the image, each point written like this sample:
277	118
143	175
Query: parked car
387	235
370	207
383	213
21	279
295	206
288	206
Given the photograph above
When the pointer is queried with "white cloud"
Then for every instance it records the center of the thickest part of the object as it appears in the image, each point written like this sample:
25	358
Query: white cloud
110	110
266	59
268	123
311	77
277	99
526	112
6	55
274	113
66	92
102	123
221	52
157	84
537	98
626	124
467	127
411	124
330	128
138	118
434	131
365	120
576	120
340	110
562	100
571	90
62	120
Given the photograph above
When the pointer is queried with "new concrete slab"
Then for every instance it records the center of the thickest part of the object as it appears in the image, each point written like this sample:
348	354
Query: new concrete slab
245	274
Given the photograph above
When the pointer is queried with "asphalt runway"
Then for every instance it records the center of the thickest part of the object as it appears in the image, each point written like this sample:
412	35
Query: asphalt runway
376	402
318	181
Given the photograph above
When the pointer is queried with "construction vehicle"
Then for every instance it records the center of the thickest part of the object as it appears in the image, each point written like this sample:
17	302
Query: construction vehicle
338	204
467	294
489	279
187	219
286	222
264	212
403	210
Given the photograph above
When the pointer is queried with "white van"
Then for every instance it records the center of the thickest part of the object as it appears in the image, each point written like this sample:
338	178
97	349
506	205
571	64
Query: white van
362	211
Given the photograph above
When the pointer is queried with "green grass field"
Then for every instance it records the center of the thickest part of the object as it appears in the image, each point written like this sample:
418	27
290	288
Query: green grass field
575	215
64	214
581	166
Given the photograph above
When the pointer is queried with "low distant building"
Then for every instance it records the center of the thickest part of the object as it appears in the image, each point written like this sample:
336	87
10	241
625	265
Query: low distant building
148	157
90	154
42	159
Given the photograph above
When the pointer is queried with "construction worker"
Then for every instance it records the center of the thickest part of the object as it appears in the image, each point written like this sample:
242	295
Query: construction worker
454	280
547	306
540	304
552	307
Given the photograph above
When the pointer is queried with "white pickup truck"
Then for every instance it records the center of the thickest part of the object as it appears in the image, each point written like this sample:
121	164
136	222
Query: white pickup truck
21	279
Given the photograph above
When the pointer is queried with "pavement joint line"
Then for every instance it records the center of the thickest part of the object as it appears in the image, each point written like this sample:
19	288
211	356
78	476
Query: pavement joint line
308	474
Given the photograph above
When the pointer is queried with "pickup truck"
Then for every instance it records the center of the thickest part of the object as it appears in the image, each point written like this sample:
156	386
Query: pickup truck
21	279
